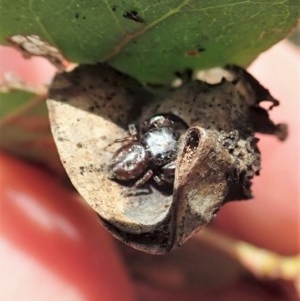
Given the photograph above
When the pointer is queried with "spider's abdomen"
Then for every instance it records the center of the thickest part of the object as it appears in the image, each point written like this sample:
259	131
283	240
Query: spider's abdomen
129	162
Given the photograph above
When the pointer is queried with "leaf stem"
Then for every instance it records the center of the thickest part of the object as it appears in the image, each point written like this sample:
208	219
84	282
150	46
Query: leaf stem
261	262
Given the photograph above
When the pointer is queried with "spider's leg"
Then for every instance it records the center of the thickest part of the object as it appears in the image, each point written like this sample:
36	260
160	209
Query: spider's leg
132	129
143	180
168	172
133	136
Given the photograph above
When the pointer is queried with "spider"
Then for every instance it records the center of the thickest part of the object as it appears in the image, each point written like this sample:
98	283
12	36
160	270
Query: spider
149	153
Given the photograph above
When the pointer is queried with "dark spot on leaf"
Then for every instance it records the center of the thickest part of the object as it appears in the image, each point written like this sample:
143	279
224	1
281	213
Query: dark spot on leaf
79	145
133	15
110	96
114	8
81	170
76	15
194	52
83	17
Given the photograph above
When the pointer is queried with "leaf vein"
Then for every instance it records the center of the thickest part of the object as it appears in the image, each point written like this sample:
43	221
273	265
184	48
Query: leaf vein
130	37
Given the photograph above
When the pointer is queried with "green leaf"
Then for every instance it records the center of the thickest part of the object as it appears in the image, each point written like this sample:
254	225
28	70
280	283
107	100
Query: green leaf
151	40
9	102
25	130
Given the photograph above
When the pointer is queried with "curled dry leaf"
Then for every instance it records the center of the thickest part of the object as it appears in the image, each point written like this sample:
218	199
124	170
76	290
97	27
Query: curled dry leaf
92	106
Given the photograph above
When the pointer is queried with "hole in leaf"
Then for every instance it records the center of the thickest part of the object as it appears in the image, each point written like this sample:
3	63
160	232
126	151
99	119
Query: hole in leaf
133	15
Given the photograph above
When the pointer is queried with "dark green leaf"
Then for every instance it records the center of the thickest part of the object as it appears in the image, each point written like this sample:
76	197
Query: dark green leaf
151	40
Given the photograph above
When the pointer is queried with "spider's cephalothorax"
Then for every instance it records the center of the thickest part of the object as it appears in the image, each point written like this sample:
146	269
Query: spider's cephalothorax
148	153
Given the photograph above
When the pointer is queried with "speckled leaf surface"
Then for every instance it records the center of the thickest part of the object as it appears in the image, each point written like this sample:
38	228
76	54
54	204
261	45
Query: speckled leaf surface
88	109
152	40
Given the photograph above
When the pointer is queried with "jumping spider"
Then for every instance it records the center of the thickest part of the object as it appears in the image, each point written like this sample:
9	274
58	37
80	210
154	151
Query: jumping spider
149	152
